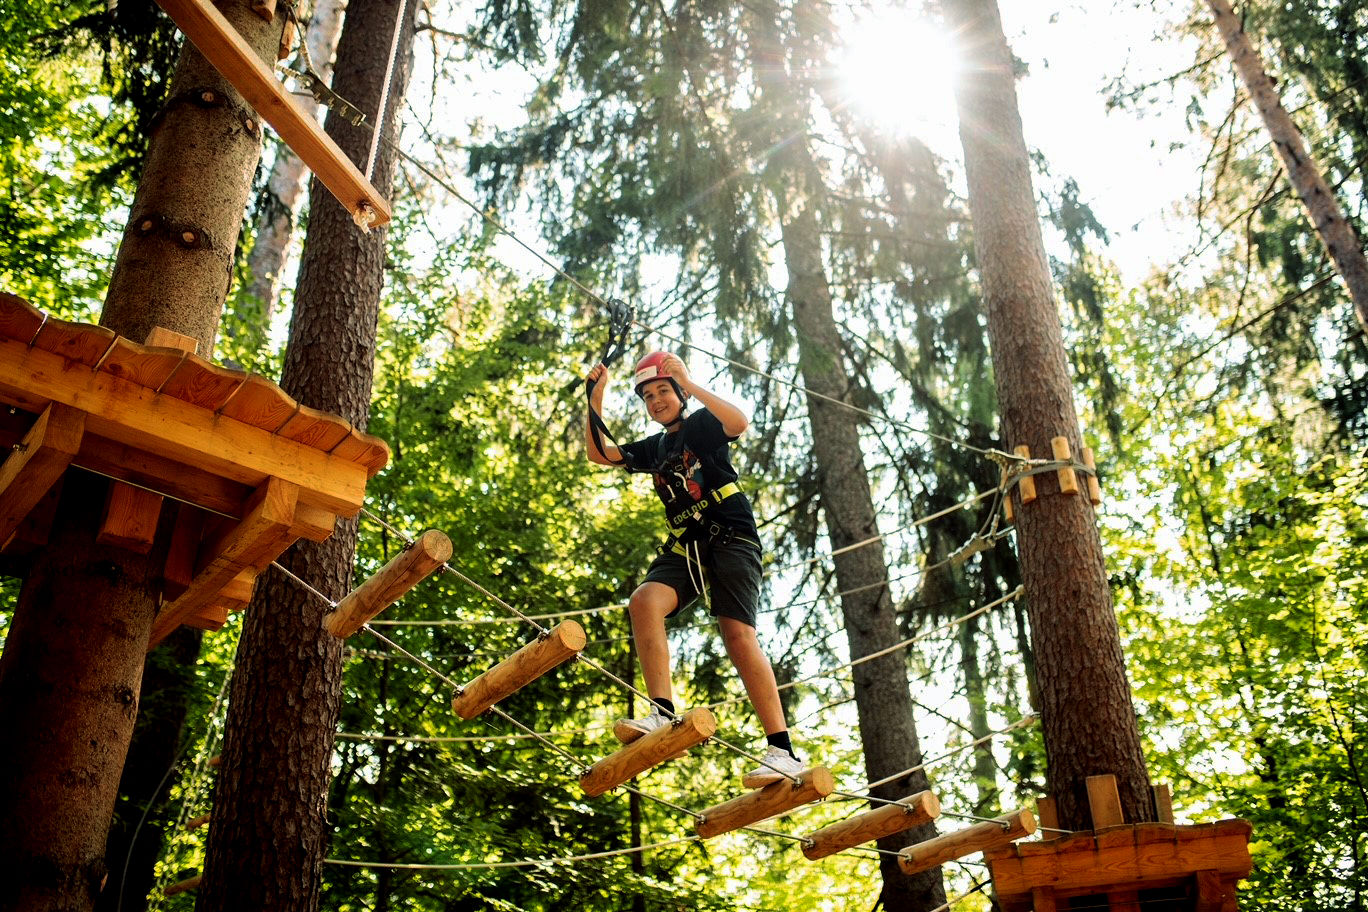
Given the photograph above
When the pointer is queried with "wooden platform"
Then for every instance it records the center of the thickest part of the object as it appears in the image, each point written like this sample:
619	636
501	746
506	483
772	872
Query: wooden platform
253	469
1126	868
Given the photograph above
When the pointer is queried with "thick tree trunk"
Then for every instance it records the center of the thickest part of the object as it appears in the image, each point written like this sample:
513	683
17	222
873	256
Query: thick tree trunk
888	734
883	703
268	831
136	836
78	640
275	223
1088	718
1340	240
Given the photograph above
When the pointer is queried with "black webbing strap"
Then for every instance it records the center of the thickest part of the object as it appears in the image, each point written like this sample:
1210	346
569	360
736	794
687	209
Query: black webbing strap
620	316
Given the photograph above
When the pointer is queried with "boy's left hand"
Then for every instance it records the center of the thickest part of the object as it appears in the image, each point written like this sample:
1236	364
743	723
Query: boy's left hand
674	367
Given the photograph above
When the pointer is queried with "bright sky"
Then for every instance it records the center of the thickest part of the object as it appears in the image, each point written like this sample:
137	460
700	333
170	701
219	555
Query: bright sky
1130	168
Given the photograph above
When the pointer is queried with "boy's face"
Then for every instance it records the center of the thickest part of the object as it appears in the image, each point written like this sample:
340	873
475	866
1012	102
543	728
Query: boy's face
662	403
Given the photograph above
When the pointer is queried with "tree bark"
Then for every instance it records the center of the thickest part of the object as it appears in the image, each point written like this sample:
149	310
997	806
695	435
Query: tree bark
285	187
268	831
1336	234
1087	716
888	734
78	641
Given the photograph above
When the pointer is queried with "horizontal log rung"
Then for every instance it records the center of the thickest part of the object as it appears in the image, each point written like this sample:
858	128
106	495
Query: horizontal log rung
389	584
774	799
520	669
980	837
914	810
693	728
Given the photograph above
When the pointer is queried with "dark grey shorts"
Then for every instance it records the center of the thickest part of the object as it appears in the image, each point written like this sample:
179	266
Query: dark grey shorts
732	571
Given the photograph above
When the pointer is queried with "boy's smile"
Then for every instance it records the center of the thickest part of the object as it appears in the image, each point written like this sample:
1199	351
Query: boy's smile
661	402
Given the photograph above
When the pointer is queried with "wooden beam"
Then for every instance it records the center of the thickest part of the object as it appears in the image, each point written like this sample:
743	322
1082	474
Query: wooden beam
184	886
694	727
1153	854
762	803
36	463
520	669
1025	484
914	810
408	568
234	597
222	46
1068	478
990	834
1163	802
1047	815
178	431
1104	802
250	544
166	476
130	517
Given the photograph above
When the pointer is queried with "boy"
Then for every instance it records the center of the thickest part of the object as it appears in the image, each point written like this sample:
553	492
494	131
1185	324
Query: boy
712	529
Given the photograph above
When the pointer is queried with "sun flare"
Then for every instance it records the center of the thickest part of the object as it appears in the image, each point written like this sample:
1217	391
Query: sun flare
898	72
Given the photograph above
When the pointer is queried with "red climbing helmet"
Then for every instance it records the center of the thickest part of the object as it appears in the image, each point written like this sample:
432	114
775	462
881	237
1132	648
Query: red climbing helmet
649	368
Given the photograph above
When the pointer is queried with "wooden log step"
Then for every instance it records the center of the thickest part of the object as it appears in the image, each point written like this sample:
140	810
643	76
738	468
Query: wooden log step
914	810
981	837
813	785
389	584
665	743
520	669
184	886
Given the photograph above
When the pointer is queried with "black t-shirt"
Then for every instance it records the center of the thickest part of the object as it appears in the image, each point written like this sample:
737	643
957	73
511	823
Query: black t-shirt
688	465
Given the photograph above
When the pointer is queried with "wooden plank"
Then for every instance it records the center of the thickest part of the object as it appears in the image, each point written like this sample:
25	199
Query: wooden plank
762	803
260	403
130	518
914	810
1068	478
175	430
990	834
165	476
1025	484
161	337
665	743
255	541
1104	801
136	364
37	463
1123	901
318	429
221	44
521	668
1043	900
1163	802
19	320
1047	816
1148	862
207	386
371	452
234	597
33	532
1210	894
83	343
179	571
408	568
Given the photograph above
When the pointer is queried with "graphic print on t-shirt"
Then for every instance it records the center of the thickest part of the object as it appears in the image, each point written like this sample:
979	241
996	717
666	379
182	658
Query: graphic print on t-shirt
683	474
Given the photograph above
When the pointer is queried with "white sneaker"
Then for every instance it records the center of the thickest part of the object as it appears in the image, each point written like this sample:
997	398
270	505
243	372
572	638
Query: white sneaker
628	730
777	764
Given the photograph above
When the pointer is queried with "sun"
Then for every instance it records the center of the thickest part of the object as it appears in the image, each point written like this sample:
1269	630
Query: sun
898	72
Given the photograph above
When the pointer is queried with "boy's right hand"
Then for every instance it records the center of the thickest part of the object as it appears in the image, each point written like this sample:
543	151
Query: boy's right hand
591	380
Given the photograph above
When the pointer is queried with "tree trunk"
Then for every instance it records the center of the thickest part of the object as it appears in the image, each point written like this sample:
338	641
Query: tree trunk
888	734
1334	230
268	831
1088	719
285	187
883	703
136	836
78	640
